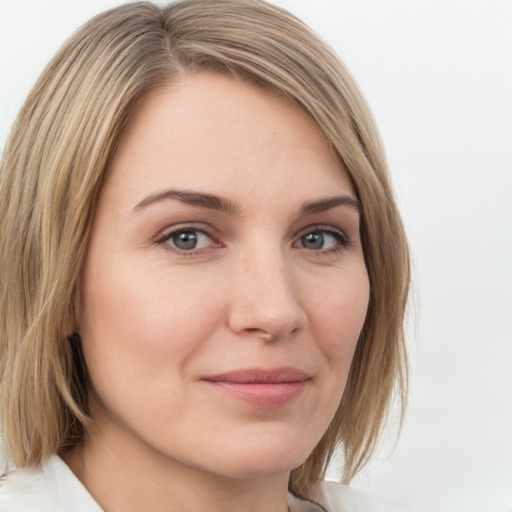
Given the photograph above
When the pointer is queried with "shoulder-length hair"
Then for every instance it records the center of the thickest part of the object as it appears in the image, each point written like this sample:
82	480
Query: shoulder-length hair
53	167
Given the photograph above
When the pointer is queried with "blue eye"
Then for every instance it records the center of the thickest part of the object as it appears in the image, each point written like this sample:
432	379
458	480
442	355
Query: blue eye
314	241
187	239
323	239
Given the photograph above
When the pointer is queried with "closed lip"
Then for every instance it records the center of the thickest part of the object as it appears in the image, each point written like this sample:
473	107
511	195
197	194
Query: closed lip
261	376
261	388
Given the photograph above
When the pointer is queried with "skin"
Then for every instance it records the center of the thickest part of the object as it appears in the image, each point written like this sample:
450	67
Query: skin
267	285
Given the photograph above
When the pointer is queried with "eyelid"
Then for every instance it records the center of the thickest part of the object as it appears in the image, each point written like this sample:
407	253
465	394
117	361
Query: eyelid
162	238
329	228
343	239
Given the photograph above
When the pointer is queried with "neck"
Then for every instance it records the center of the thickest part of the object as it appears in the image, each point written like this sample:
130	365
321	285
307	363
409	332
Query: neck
129	477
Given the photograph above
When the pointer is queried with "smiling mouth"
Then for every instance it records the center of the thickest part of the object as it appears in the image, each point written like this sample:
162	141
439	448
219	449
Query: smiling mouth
261	388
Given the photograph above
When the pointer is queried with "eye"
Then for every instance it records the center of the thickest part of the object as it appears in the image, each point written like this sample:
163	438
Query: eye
186	240
323	239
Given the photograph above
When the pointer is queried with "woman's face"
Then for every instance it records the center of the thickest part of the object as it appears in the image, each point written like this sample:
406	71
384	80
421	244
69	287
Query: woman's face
225	286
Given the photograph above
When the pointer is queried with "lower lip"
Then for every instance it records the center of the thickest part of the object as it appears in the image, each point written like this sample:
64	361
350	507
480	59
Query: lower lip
264	395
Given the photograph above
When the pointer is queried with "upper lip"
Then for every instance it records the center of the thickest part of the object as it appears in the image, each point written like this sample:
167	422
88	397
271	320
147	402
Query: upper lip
261	376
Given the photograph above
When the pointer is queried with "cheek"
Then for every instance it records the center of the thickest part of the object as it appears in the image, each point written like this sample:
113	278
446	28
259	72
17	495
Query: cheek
339	314
140	332
336	317
140	321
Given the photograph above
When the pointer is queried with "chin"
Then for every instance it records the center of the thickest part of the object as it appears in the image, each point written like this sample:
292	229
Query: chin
262	459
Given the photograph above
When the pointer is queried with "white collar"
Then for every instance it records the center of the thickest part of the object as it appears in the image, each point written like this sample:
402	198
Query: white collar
54	488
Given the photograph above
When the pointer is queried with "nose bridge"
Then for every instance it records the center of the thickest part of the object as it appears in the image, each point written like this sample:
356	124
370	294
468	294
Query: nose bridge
265	299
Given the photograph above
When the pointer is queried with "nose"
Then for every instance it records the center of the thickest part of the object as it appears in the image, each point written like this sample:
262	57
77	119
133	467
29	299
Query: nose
265	298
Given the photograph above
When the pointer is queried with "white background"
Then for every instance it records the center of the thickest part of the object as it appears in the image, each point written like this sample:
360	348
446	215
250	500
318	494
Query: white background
438	75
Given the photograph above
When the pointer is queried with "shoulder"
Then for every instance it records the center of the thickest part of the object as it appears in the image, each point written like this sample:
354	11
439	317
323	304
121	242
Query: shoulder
335	497
50	488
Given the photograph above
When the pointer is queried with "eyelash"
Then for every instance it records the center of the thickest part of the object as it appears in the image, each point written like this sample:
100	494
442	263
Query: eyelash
343	241
164	238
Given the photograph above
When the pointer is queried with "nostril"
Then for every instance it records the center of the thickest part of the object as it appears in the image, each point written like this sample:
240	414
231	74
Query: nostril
262	333
269	313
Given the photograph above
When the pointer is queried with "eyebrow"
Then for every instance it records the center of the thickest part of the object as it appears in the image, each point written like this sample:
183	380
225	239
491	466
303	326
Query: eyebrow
200	199
222	204
330	202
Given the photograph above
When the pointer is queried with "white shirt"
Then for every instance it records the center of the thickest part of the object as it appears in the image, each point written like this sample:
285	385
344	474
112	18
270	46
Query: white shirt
54	488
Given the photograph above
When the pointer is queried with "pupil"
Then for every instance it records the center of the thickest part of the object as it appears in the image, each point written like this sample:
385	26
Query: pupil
313	240
185	240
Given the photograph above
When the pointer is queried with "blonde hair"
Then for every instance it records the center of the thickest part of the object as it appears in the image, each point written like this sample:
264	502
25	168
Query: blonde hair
52	170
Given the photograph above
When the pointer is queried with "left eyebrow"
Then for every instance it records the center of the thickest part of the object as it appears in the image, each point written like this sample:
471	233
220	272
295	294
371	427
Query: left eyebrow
330	202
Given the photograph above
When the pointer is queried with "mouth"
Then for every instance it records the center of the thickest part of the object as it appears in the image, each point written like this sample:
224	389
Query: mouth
260	387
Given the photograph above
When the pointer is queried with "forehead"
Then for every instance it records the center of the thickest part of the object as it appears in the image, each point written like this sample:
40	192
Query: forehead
227	136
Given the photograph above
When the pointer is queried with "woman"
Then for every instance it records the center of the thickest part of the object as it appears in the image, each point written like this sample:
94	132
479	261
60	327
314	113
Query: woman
204	273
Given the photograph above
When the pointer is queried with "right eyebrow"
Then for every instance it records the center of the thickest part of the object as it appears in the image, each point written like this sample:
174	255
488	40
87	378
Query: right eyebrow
200	199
